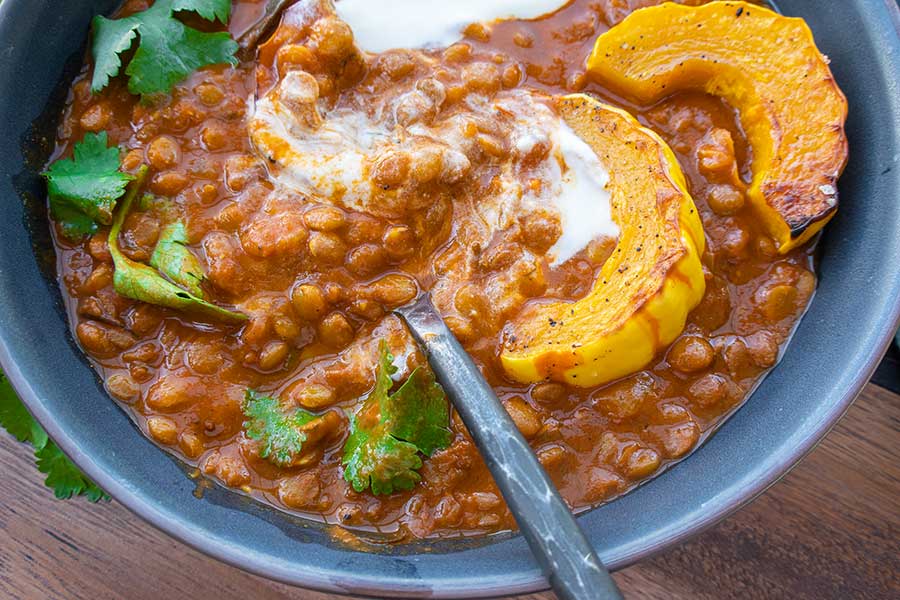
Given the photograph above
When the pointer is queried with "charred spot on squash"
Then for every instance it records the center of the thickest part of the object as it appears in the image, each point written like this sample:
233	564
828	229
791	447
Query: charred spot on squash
645	289
765	65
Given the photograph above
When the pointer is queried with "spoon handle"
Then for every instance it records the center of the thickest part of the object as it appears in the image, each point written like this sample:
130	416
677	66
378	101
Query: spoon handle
567	558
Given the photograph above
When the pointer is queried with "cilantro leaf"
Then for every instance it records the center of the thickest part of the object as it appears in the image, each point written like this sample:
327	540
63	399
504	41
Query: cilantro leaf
16	419
390	430
84	189
418	413
168	50
63	477
210	10
172	258
142	282
111	38
278	432
74	224
385	463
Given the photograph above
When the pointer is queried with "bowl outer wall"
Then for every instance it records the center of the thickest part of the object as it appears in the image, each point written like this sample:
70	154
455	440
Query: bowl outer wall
836	348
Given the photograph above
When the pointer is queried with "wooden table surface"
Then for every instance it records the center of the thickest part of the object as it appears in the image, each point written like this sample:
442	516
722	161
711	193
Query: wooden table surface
829	530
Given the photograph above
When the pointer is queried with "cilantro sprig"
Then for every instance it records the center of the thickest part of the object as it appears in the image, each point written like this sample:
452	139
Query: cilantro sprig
279	433
63	477
168	50
389	431
84	189
87	191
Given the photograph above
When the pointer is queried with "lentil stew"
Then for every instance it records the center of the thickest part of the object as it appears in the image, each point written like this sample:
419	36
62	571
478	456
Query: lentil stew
314	257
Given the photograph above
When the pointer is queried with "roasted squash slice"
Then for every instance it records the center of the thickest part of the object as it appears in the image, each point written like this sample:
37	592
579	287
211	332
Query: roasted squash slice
645	289
767	67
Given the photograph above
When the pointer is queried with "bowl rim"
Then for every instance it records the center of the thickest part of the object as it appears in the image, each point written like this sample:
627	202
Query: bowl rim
525	582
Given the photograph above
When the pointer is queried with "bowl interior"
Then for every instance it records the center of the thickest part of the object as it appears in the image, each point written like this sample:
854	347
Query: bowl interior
836	346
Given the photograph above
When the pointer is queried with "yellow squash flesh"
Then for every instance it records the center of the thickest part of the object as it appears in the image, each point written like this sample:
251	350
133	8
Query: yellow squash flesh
768	68
652	280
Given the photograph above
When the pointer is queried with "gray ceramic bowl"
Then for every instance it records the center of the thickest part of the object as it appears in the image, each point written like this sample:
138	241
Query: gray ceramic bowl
829	360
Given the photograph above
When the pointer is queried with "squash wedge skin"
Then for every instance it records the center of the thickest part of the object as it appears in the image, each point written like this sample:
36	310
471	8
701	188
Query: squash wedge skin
646	288
768	68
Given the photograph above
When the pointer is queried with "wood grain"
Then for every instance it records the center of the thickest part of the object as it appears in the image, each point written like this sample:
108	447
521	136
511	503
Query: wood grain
830	530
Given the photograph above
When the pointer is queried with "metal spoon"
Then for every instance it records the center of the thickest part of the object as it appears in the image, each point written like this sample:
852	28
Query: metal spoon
567	558
250	39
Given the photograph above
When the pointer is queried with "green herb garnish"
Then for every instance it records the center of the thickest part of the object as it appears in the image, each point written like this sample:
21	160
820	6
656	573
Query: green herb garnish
278	432
142	282
84	189
173	259
390	430
63	477
168	50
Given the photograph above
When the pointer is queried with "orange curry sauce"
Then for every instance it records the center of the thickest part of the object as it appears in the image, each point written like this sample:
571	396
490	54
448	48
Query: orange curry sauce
318	281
